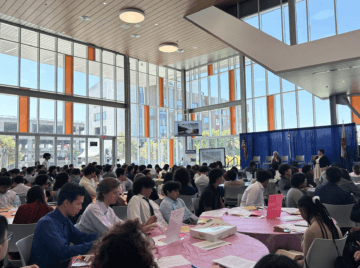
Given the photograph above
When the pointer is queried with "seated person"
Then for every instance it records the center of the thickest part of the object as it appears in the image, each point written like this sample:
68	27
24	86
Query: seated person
331	193
5	237
278	261
298	183
43	182
140	206
88	182
202	178
54	232
171	202
7	197
210	197
75	175
320	223
309	173
251	168
356	171
19	186
127	243
347	185
355	213
232	181
99	217
323	180
182	175
154	195
60	180
125	182
284	182
34	209
108	172
87	201
254	194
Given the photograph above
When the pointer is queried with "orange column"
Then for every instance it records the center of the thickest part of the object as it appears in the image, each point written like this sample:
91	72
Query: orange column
24	113
161	92
91	53
69	90
69	118
232	98
210	70
171	152
147	121
355	102
270	112
192	119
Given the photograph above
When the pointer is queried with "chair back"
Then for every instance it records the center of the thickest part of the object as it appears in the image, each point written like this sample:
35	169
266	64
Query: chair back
268	159
256	159
341	213
22	199
231	194
313	158
284	159
201	187
19	232
188	201
24	246
195	202
271	188
322	252
300	158
120	212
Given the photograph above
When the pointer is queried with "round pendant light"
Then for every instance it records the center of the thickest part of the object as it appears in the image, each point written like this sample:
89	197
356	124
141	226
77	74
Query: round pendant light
168	47
132	15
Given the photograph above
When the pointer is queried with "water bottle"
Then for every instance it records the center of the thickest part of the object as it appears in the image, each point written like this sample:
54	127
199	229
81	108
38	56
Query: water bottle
17	202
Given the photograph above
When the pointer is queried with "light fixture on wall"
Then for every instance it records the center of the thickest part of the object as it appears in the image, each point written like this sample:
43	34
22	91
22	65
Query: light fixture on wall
132	15
168	47
84	18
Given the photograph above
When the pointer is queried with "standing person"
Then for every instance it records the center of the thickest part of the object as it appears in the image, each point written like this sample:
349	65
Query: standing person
275	158
321	163
54	232
87	182
46	163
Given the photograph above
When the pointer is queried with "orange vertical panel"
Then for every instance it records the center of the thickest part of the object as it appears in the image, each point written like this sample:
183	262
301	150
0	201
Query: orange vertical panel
210	70
171	152
69	75
270	112
232	120
147	121
355	102
91	53
69	118
24	113
161	92
232	85
192	117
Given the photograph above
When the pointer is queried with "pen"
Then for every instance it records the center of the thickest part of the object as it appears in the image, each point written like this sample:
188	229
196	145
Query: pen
192	266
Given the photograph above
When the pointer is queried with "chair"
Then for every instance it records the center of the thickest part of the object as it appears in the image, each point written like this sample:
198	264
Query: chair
270	190
256	159
231	194
128	187
300	159
187	200
268	161
322	252
24	246
355	178
22	199
195	202
312	160
284	159
120	212
341	213
200	188
19	232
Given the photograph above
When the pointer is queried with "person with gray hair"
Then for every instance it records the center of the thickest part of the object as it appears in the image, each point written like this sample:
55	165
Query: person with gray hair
275	158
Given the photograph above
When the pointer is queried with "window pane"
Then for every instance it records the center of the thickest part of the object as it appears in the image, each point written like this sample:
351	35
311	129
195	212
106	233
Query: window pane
178	95
254	21
47	116
142	67
79	77
289	103
343	114
9	59
259	81
237	85
271	23
322	19
108	82
60	129
194	93
347	15
26	150
141	121
47	145
133	64
287	86
204	91
214	89
9	32
80	51
29	37
153	122
278	124
120	84
60	73
224	87
47	70
63	154
152	69
94	120
248	82
64	46
94	79
301	22
153	90
273	83
215	123
28	72
120	122
162	123
261	115
224	66
120	61
162	72
133	87
305	109
143	91
80	119
9	113
108	57
47	42
134	121
286	26
79	152
108	121
93	150
250	115
225	122
171	123
171	85
238	119
205	124
144	151
163	152
322	112
134	151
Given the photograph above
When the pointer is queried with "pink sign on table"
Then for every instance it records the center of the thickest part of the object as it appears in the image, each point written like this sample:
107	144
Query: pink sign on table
274	206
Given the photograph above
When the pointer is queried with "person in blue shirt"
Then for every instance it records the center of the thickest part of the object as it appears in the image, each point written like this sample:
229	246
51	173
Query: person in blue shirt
54	232
331	193
182	175
171	202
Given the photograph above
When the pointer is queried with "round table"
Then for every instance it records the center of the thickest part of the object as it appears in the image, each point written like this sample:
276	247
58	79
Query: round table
242	246
262	229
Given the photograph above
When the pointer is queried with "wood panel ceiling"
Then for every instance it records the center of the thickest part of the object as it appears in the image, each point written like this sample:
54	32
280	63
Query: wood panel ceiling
104	27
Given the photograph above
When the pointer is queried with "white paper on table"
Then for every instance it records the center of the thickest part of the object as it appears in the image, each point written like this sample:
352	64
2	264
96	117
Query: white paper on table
293	228
301	223
207	245
10	220
175	223
239	211
291	218
158	242
290	210
235	262
172	261
213	213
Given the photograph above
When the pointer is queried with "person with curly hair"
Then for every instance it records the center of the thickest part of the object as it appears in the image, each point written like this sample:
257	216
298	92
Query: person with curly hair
125	242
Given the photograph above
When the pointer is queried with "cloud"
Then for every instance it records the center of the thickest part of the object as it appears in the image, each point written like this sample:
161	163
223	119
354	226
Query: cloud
323	14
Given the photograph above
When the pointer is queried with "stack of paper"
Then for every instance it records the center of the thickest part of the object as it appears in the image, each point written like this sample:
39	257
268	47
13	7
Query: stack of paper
172	261
292	227
291	218
214	213
235	262
291	211
207	245
301	223
239	211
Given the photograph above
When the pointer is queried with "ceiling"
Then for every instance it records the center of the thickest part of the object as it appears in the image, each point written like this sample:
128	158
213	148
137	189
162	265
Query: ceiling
104	28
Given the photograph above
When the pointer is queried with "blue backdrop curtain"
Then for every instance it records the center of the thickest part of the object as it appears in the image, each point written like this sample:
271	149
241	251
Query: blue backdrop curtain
303	141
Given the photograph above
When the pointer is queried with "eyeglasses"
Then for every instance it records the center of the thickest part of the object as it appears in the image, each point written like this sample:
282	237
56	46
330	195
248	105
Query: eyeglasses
10	235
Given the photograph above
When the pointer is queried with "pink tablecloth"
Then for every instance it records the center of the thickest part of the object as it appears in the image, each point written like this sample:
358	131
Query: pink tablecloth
262	229
242	246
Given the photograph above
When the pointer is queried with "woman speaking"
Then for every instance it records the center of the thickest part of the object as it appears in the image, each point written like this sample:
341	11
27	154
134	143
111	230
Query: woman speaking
321	163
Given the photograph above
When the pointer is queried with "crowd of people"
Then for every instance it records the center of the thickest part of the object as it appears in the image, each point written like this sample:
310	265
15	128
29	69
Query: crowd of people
80	224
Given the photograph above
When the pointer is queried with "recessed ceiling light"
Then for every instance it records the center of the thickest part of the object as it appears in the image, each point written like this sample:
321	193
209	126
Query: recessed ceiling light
135	35
168	47
194	47
156	24
137	25
125	26
104	3
180	51
84	18
132	15
63	32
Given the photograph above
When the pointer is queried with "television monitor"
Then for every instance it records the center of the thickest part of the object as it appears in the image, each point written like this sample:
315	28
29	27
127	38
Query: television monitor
188	128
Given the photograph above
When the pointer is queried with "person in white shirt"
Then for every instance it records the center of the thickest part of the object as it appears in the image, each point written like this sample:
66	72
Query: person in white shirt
99	217
254	194
203	178
356	171
46	163
86	181
7	197
19	186
140	206
152	171
14	172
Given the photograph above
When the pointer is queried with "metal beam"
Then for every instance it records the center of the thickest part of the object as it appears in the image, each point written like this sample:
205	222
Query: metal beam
292	22
244	126
343	100
184	104
214	107
333	117
61	97
127	110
